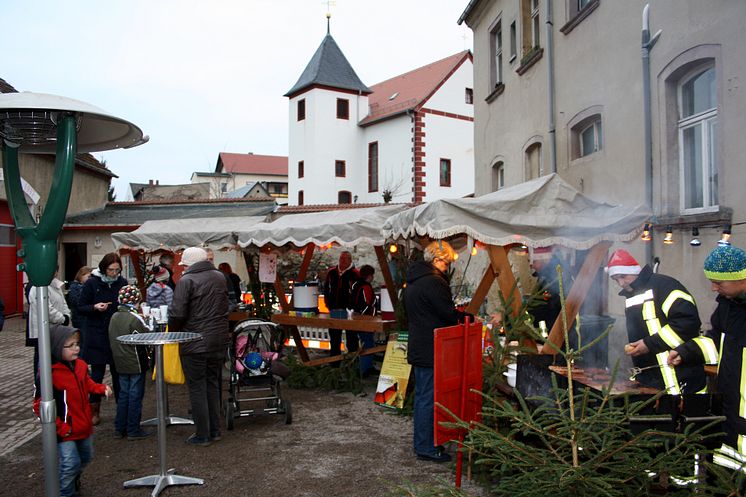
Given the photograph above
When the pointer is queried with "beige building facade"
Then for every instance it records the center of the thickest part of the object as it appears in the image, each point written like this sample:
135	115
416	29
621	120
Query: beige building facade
567	96
697	114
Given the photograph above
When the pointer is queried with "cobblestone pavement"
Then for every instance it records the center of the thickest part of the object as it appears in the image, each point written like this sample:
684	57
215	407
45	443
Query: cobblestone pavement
18	424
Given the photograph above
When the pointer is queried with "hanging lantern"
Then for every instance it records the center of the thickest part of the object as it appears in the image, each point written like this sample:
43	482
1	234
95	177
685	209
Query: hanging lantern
668	240
646	233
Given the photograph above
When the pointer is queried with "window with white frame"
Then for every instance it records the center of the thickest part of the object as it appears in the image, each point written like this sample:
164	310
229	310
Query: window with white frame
535	24
697	134
590	137
513	42
496	43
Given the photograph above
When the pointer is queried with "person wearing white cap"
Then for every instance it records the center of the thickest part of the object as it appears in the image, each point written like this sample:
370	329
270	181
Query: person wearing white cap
200	305
661	315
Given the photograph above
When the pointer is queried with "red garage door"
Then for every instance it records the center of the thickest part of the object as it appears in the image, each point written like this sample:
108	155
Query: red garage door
11	281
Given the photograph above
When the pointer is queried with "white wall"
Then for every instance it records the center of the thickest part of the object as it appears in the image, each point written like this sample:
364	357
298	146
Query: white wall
394	137
451	96
453	139
320	140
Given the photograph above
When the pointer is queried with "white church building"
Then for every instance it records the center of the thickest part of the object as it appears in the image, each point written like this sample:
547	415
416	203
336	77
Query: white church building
406	139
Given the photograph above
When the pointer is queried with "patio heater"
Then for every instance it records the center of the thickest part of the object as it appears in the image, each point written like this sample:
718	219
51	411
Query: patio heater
37	123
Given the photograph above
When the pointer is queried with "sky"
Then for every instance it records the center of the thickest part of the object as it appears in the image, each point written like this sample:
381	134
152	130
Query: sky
202	77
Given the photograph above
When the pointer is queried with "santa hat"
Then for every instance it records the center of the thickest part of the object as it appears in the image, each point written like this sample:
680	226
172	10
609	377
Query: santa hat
621	262
542	254
161	274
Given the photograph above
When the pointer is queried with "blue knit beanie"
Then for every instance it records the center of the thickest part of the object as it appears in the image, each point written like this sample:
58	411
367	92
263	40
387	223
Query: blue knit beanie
726	263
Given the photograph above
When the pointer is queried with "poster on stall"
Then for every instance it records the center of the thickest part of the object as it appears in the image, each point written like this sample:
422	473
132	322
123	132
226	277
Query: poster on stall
267	268
394	378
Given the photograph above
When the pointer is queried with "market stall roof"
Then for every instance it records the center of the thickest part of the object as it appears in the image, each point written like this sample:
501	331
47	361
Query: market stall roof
177	234
541	212
347	227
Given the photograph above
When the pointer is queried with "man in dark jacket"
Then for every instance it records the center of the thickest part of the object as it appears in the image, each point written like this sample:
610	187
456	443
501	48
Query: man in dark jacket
429	305
661	315
337	288
200	305
725	267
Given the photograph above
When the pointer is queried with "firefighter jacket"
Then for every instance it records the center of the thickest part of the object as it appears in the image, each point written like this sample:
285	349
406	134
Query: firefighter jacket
725	345
662	313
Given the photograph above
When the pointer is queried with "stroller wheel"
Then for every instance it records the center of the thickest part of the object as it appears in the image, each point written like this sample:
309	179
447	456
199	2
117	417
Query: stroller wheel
288	411
229	415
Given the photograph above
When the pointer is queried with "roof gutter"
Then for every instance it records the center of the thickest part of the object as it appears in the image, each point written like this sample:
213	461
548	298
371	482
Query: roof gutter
467	11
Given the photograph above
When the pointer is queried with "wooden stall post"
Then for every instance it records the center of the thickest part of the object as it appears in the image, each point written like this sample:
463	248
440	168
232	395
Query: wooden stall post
307	256
578	292
508	286
285	305
387	278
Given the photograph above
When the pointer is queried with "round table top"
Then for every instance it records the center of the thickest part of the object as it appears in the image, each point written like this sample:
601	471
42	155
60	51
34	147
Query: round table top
159	338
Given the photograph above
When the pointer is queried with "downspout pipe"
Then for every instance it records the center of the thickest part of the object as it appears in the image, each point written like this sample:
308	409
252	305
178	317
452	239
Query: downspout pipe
550	87
648	43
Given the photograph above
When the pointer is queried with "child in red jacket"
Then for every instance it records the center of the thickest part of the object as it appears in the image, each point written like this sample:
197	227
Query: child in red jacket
71	386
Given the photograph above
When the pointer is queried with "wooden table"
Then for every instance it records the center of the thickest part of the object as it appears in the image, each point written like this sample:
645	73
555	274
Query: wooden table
366	324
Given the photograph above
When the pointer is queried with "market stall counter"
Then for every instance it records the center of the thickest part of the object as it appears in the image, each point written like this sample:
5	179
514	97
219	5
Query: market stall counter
366	324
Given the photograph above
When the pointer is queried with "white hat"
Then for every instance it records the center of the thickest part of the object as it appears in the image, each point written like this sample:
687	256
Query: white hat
193	255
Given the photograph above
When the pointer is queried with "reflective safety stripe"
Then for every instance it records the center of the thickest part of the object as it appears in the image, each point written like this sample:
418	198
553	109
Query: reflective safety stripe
728	457
672	297
720	350
668	373
639	299
742	386
669	336
648	310
707	346
742	448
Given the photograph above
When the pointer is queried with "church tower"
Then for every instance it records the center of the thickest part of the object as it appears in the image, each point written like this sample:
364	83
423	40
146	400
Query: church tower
326	104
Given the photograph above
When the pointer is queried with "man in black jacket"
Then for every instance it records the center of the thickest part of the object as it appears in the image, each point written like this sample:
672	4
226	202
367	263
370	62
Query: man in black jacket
661	315
429	305
200	305
337	288
724	345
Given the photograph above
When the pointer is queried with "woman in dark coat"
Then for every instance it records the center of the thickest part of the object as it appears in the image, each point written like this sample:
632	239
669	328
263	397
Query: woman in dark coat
98	303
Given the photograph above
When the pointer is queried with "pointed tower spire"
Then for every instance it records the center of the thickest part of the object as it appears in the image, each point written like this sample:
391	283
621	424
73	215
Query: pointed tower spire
330	68
328	21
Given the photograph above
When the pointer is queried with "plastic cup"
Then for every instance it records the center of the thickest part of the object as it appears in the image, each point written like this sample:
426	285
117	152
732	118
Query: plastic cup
164	313
145	310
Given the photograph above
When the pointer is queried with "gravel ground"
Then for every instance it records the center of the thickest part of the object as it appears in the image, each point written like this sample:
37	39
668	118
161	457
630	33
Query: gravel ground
337	445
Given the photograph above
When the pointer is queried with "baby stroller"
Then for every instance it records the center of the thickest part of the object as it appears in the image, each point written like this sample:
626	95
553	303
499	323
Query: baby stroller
256	372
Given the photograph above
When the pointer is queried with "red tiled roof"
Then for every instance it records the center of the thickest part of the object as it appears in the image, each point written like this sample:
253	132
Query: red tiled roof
275	165
297	209
6	87
412	89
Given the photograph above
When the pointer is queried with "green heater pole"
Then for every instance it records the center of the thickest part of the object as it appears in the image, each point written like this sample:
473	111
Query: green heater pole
39	253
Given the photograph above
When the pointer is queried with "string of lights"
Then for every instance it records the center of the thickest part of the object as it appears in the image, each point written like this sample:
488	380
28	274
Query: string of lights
668	239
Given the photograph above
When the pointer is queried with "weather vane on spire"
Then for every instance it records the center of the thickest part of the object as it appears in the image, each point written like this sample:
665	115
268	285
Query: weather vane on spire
329	5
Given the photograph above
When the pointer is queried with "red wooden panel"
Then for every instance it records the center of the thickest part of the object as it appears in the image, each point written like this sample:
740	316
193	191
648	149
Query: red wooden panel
456	374
11	281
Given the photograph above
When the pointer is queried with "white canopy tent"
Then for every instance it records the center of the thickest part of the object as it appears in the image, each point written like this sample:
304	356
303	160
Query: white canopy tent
177	234
538	213
541	212
345	227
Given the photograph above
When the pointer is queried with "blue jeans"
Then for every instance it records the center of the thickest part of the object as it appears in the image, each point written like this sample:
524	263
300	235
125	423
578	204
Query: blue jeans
129	405
424	418
73	456
366	361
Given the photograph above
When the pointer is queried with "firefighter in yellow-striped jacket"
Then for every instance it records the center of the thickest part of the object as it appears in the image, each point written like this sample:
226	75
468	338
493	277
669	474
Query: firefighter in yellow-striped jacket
661	315
725	345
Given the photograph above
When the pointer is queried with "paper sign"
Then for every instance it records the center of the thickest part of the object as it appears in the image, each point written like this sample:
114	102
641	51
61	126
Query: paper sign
392	382
267	268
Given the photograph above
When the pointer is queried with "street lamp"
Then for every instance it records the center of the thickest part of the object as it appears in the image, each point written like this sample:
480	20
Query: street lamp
44	124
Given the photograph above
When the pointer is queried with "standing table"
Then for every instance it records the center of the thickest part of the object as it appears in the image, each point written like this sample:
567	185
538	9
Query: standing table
166	477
